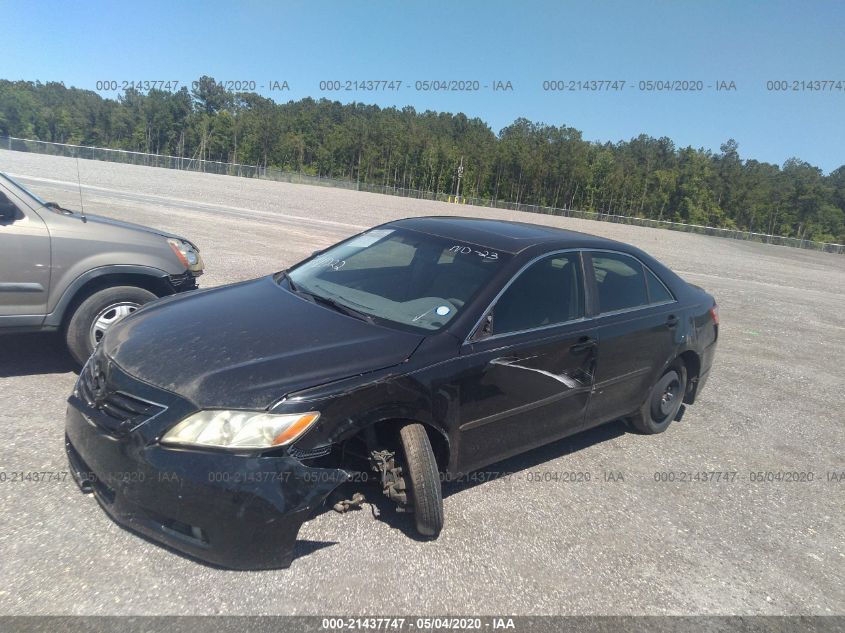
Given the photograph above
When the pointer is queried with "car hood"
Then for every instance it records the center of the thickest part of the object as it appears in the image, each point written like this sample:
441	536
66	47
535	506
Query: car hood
96	220
249	344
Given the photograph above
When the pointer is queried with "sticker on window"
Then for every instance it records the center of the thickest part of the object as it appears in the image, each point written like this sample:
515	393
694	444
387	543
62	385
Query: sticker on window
369	238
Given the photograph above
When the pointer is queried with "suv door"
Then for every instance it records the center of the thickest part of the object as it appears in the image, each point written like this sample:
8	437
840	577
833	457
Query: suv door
526	380
637	319
24	262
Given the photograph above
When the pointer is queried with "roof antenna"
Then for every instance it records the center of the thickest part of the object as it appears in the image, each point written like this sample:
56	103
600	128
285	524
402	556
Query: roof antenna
79	182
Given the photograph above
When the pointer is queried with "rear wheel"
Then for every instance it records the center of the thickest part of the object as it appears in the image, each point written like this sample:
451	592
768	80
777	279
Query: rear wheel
98	313
421	468
663	402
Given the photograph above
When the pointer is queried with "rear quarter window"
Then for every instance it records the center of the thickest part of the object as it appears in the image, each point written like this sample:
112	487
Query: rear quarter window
657	290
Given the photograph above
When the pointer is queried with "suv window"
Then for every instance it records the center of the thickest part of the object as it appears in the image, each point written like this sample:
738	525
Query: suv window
657	290
548	292
8	210
620	282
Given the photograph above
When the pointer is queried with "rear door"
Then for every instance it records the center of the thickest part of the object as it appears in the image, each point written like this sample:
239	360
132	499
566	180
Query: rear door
527	380
24	262
638	323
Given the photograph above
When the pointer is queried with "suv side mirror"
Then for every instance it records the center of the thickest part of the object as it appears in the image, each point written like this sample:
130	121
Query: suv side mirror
8	211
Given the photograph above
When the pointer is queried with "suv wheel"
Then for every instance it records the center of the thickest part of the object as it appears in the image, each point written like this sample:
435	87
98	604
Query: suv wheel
97	313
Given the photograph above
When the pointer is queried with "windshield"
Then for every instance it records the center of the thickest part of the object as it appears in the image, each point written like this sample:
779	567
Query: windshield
406	277
24	189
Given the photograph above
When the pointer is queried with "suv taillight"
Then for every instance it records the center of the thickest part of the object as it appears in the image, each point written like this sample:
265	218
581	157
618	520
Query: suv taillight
714	312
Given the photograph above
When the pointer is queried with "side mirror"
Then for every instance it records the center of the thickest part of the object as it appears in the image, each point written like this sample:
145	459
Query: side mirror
317	252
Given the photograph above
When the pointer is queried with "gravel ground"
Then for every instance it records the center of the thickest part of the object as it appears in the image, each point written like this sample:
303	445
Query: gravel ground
512	545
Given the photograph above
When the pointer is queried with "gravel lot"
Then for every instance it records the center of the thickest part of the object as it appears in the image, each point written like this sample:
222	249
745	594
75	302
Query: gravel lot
511	545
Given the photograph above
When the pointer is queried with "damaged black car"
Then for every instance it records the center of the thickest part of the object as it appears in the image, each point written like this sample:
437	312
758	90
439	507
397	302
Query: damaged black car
423	349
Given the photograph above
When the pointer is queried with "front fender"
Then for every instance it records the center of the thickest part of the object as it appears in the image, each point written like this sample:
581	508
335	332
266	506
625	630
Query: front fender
357	404
55	317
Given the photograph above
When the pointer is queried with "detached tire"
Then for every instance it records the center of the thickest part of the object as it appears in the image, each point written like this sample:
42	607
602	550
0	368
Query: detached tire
663	402
97	313
425	491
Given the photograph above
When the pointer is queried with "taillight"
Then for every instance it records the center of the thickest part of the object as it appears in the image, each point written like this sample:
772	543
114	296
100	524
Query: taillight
714	312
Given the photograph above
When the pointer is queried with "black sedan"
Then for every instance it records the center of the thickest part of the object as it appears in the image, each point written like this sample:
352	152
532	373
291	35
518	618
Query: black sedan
420	350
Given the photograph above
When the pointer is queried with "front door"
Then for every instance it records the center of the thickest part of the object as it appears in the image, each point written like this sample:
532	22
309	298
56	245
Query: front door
527	380
24	262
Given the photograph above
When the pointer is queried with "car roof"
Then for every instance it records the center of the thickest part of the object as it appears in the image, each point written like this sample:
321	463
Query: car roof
502	235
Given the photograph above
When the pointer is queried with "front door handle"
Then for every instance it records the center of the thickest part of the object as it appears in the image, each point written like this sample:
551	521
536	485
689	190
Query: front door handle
672	321
584	343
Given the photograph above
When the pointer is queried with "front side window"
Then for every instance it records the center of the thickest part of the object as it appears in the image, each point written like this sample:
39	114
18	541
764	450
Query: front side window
8	210
546	293
24	190
620	282
408	278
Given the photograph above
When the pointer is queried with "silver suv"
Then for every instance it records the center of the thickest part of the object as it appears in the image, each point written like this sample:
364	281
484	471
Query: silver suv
64	270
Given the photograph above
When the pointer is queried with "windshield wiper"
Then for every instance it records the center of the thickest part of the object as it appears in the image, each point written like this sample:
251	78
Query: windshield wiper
340	307
332	303
292	285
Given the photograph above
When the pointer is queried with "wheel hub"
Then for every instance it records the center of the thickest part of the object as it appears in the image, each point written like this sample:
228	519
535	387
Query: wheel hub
108	316
665	400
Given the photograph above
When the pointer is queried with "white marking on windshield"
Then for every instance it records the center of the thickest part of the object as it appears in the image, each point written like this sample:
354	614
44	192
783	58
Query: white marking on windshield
330	262
467	250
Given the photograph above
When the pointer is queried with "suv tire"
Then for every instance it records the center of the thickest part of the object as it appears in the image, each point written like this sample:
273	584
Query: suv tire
106	306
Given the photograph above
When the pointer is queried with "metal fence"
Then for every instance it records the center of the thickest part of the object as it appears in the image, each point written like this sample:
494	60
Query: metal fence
271	173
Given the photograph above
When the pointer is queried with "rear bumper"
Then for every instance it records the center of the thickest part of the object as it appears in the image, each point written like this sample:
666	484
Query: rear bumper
236	511
706	364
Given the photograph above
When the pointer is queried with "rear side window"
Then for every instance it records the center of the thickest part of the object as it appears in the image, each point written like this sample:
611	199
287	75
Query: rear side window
657	291
620	282
546	293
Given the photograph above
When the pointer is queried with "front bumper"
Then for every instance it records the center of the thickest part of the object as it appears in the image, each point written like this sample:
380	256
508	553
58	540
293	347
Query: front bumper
236	511
184	282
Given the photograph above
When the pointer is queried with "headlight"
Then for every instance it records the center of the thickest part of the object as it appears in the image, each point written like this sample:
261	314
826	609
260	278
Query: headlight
187	254
239	429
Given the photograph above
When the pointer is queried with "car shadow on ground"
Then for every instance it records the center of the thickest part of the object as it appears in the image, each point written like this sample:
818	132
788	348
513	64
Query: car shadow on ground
34	353
385	510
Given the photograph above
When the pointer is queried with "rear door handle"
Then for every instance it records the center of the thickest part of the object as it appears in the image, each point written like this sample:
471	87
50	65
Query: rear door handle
672	321
584	343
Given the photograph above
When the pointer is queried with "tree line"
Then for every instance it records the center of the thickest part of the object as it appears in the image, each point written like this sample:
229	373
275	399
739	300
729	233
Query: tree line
526	162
